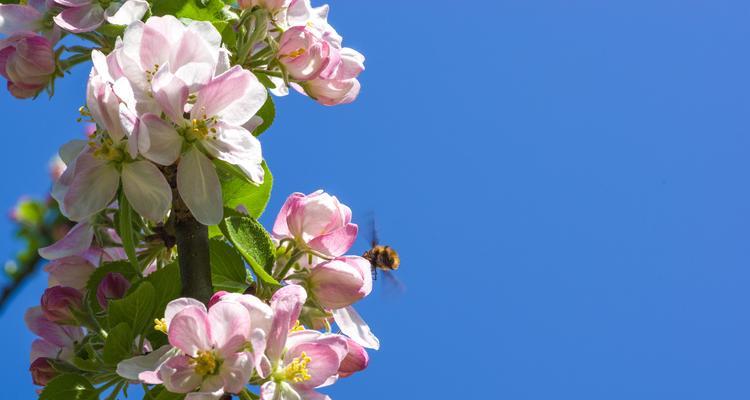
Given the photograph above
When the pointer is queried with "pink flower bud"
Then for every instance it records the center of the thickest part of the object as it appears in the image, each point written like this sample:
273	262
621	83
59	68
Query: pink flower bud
338	84
305	55
42	371
317	221
217	297
272	5
27	61
60	303
356	359
112	287
72	271
341	282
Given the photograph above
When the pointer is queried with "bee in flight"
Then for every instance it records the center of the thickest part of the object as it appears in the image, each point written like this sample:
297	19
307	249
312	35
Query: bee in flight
383	258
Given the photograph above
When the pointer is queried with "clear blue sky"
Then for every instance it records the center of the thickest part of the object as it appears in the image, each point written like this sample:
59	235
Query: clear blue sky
567	183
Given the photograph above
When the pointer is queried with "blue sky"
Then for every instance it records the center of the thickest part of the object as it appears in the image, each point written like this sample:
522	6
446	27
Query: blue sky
566	182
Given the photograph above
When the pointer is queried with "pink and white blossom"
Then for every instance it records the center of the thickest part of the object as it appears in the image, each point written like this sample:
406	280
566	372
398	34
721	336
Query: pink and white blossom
305	55
27	61
56	341
299	362
340	282
214	359
80	16
214	128
317	221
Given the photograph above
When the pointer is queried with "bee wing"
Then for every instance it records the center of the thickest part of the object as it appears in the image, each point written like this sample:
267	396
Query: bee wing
393	286
373	230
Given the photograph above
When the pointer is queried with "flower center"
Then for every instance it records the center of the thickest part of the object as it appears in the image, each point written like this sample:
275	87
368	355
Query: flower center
200	129
205	363
296	53
297	327
105	149
297	371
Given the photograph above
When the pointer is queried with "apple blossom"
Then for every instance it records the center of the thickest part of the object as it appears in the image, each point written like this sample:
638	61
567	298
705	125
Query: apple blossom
340	282
56	341
42	371
356	359
305	55
27	61
60	304
72	271
113	286
80	16
214	126
297	363
317	221
214	359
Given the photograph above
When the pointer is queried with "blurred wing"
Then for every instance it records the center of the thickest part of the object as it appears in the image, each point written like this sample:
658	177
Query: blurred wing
373	230
392	285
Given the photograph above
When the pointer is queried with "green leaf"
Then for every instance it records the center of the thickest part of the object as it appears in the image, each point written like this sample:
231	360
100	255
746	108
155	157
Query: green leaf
237	190
227	268
199	10
254	243
168	286
112	31
125	230
228	35
167	395
69	387
119	344
136	309
268	113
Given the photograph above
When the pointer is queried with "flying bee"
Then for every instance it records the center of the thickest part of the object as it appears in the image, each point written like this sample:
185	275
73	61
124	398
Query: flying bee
383	258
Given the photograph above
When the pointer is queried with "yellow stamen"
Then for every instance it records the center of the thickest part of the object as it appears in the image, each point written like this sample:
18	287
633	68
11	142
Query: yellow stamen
160	325
296	53
297	327
205	363
297	371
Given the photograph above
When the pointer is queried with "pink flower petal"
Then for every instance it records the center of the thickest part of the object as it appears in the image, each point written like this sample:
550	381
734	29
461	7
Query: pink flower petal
286	304
230	326
177	305
93	188
337	242
234	96
85	18
190	331
76	241
17	18
179	376
352	325
236	371
239	147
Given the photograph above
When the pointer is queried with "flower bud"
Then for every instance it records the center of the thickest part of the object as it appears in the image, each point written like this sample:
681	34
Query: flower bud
341	282
42	371
60	303
356	359
112	287
317	221
304	54
272	5
27	61
217	297
72	271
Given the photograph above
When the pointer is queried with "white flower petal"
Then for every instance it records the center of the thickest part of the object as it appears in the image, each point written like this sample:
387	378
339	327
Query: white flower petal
199	187
239	147
131	11
146	189
352	325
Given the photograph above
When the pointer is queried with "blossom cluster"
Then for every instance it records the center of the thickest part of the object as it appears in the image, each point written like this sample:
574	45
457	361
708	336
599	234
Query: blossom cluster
164	277
283	344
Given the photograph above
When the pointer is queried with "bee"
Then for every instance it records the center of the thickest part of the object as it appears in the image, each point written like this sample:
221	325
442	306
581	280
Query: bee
383	258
